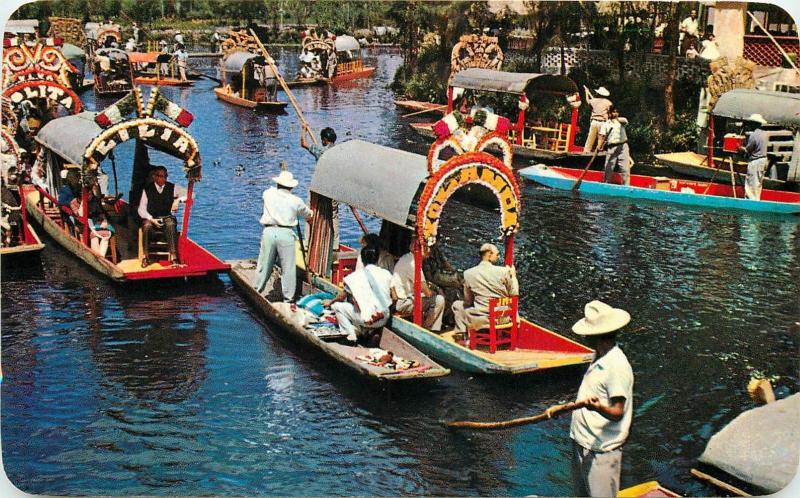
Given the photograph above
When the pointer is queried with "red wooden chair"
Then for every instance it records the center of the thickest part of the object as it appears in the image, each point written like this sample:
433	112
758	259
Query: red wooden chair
503	325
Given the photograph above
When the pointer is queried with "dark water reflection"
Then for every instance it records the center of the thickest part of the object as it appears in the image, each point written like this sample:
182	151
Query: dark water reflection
184	391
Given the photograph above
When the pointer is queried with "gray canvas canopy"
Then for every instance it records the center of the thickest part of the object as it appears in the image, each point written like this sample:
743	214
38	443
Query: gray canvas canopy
491	80
346	42
21	26
778	108
72	52
69	136
378	180
112	53
237	60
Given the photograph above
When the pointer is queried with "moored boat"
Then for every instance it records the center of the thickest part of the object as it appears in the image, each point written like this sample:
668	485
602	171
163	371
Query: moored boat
687	192
327	339
408	191
112	72
81	143
649	489
156	68
248	81
22	240
330	59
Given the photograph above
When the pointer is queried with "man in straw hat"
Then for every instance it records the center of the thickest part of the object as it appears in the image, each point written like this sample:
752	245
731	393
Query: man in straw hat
281	210
756	153
599	430
482	283
600	106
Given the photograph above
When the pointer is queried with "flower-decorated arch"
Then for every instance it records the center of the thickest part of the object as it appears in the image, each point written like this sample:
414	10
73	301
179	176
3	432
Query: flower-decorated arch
52	91
39	62
477	167
9	117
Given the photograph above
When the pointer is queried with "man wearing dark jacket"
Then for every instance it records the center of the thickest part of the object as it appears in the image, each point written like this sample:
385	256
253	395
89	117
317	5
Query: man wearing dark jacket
157	209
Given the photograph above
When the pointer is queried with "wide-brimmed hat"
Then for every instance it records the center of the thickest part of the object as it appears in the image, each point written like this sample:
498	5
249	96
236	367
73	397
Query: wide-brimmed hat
162	42
757	118
603	91
600	318
286	179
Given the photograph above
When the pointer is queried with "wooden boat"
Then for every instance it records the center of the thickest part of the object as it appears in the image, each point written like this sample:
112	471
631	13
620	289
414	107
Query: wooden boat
724	135
84	142
242	275
407	191
416	105
26	241
338	59
554	144
307	82
693	165
650	489
687	192
147	69
112	72
248	81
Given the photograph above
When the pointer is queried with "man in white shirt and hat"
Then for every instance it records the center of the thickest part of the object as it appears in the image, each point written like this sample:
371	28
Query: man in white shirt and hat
756	153
178	37
600	428
281	211
688	31
615	140
600	106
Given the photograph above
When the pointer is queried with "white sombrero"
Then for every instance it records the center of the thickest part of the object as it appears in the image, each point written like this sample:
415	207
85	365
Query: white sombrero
603	91
600	318
286	178
757	118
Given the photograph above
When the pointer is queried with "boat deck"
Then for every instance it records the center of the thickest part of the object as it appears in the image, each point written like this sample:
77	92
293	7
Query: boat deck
520	356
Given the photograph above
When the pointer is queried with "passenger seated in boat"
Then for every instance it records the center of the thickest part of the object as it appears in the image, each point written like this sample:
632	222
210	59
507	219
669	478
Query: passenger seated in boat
403	292
481	284
11	219
369	291
100	229
157	208
69	196
443	279
385	259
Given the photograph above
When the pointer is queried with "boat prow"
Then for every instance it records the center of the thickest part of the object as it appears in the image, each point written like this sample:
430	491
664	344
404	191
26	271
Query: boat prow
290	321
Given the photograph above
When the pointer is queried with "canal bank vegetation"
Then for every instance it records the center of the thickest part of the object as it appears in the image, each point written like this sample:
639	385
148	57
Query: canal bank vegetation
661	107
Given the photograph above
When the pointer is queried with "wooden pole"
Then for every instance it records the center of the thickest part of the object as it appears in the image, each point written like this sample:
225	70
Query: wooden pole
417	282
535	419
716	482
580	179
438	108
733	177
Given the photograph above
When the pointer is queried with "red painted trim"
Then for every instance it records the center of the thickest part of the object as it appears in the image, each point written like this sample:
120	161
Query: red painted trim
520	122
509	256
417	282
449	99
85	215
28	238
710	143
573	129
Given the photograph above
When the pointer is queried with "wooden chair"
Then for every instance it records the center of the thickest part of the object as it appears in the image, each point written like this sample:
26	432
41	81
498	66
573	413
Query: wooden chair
503	325
561	140
158	245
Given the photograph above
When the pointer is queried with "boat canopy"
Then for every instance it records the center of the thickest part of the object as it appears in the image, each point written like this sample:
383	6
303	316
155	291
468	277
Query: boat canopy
779	108
517	83
20	26
148	57
237	60
113	53
78	139
346	42
72	52
383	182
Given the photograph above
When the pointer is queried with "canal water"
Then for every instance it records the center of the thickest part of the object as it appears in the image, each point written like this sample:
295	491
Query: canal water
184	390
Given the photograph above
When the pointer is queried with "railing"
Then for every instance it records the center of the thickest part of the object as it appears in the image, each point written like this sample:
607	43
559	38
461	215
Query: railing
761	50
348	67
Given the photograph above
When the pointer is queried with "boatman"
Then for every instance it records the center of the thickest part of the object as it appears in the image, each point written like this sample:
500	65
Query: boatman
482	283
600	106
281	210
614	138
182	57
756	153
599	430
328	138
157	209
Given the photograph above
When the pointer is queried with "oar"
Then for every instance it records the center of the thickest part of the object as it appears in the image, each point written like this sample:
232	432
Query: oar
415	113
204	75
568	407
580	178
303	252
733	178
716	170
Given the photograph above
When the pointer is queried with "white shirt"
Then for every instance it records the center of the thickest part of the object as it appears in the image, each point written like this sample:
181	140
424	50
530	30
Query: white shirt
177	191
689	26
608	377
614	131
403	276
385	261
179	38
281	207
710	50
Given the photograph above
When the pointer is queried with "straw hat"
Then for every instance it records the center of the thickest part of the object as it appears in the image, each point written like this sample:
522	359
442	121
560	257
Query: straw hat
603	91
757	118
600	318
286	179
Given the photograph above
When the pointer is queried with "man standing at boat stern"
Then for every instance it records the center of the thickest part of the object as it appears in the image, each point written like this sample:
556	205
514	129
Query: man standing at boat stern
281	210
618	155
600	429
600	106
756	152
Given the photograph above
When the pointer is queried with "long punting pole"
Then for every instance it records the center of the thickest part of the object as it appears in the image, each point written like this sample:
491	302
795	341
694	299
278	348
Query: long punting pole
185	225
449	99
520	123
417	282
710	143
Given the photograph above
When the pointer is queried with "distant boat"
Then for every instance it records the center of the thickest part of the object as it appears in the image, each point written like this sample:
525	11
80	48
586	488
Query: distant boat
26	241
247	81
687	192
154	73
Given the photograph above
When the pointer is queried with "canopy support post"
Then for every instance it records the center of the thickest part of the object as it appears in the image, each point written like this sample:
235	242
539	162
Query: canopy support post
85	215
710	143
509	256
520	123
417	282
25	232
185	225
449	99
573	127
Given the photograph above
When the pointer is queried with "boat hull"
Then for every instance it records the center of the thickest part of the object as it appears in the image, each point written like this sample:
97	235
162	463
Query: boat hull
689	193
30	249
691	164
363	73
249	104
153	81
242	272
650	489
199	261
312	82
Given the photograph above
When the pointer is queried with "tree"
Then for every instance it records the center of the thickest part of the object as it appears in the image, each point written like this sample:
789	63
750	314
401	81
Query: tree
672	35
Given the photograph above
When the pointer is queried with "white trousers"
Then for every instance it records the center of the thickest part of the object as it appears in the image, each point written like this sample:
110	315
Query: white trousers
595	474
591	137
755	178
350	321
432	310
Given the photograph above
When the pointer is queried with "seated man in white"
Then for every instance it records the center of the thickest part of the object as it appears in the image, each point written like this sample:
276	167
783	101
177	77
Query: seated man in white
403	292
369	291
